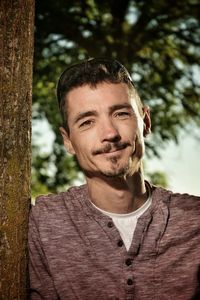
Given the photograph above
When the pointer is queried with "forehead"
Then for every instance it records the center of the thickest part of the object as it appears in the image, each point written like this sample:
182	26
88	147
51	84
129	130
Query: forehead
99	97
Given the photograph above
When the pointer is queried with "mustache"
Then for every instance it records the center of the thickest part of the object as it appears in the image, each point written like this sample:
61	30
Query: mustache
111	146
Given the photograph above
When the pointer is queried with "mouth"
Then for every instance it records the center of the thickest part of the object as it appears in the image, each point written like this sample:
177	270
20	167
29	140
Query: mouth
113	151
110	149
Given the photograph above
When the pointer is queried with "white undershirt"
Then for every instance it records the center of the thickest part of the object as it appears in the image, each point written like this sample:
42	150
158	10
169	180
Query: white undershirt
126	223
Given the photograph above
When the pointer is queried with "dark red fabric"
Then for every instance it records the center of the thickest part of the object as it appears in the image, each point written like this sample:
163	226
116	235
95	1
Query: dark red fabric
75	253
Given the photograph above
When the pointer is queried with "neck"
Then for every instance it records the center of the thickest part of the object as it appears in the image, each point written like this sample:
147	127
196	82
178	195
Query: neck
118	195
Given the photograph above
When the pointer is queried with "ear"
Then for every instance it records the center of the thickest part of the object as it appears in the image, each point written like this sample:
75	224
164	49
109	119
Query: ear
146	120
66	141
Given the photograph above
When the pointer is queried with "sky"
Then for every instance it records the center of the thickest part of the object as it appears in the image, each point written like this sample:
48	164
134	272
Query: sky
181	163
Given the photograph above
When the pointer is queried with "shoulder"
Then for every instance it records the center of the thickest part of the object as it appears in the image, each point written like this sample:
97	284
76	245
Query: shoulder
51	204
185	200
181	199
187	206
181	206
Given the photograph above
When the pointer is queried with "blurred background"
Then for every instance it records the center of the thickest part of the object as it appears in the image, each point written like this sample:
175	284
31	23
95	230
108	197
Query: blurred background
159	43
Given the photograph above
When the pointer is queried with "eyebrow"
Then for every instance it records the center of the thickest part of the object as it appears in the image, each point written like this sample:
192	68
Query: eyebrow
85	114
120	106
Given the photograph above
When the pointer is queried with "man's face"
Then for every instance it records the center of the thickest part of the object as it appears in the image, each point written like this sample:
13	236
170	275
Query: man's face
105	129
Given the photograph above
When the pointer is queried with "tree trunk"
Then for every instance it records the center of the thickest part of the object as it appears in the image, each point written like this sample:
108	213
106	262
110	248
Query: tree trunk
16	55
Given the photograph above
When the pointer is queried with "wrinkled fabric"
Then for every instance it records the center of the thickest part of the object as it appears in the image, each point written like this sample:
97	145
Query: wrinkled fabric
76	252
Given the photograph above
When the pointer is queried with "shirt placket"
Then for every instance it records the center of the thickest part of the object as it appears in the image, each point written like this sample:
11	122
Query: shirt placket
126	258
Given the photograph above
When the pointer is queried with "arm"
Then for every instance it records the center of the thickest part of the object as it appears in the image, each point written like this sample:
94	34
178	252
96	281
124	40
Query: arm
41	282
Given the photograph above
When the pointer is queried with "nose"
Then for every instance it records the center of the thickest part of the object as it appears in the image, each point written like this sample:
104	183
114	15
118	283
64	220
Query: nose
109	132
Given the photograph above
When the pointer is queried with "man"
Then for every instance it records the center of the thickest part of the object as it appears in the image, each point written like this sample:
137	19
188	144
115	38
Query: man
117	237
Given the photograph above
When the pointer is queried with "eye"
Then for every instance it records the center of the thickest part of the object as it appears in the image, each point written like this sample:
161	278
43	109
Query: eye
86	124
122	114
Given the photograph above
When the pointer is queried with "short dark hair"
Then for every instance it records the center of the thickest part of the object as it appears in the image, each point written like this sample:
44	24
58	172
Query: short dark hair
92	71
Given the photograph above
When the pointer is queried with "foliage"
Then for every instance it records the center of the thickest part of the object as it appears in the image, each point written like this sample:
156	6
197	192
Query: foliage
158	178
158	41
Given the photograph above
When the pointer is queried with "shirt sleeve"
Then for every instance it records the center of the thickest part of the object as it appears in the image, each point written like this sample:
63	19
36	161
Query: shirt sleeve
41	282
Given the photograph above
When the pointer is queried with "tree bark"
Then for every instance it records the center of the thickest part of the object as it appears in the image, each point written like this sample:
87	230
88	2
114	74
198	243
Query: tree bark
16	56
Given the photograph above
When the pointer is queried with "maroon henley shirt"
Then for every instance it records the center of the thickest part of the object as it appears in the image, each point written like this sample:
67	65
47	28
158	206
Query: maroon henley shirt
76	252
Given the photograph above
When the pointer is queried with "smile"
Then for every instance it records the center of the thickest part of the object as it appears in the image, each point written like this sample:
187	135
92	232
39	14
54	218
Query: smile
113	152
111	149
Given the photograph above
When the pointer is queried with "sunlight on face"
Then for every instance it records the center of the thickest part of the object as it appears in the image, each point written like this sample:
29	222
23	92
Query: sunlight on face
106	130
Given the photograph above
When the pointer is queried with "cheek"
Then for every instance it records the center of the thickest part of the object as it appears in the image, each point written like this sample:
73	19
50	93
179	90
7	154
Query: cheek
130	133
84	142
135	137
139	146
138	133
82	149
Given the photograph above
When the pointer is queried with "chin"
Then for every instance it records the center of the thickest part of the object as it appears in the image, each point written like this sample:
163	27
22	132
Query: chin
113	174
117	172
126	170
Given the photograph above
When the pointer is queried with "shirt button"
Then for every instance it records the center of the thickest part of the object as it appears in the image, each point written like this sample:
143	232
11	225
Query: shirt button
110	224
120	243
128	262
129	281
